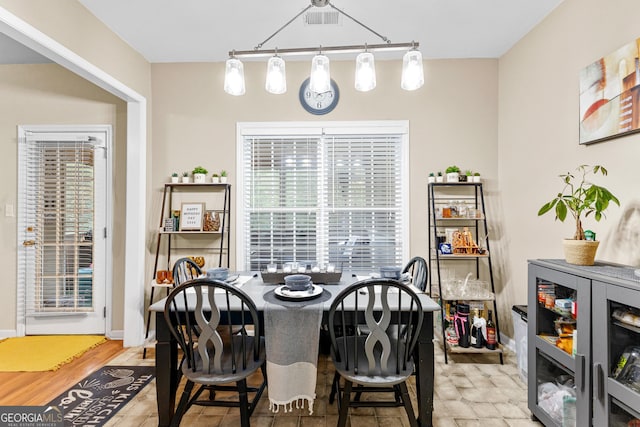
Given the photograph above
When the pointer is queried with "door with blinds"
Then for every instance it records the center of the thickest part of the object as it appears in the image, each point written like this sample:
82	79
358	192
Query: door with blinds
61	220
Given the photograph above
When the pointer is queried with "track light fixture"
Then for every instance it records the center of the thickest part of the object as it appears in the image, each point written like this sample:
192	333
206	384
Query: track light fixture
320	77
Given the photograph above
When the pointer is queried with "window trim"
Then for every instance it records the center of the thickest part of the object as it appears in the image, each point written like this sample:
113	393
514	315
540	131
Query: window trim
400	127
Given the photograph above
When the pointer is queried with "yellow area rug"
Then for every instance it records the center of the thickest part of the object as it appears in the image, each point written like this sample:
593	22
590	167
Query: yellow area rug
44	352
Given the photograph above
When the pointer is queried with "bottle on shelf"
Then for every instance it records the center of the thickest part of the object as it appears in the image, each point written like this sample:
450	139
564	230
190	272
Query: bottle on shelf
491	333
462	325
450	331
478	330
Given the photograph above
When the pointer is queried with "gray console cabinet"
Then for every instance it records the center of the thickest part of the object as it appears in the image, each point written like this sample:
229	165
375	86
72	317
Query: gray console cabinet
600	341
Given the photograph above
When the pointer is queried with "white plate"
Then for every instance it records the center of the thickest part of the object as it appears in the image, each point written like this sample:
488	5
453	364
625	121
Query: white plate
285	293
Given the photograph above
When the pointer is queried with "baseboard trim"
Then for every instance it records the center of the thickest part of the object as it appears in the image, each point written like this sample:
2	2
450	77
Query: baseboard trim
8	333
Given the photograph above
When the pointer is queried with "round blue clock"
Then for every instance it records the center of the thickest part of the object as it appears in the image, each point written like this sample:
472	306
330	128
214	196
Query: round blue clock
319	103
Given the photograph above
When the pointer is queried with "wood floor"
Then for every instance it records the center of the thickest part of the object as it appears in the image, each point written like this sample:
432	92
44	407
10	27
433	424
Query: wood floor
39	388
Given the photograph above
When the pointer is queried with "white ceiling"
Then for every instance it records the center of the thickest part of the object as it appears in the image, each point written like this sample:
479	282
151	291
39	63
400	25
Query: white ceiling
206	30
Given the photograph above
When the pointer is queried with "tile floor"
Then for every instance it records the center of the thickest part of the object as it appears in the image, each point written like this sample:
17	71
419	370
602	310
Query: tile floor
469	391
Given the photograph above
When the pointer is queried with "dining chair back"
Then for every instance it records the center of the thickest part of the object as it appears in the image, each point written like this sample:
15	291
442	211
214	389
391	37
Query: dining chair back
185	269
380	359
201	315
417	268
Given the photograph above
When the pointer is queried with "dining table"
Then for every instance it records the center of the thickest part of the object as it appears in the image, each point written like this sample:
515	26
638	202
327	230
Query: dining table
166	358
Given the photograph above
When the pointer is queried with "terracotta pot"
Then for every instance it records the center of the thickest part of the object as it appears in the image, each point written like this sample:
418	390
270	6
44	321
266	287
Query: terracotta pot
580	252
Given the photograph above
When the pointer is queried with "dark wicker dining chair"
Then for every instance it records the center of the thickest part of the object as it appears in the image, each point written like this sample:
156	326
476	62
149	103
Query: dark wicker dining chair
380	360
417	268
215	358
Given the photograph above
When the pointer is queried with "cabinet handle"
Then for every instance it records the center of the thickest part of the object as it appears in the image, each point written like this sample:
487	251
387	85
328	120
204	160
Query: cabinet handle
580	372
598	374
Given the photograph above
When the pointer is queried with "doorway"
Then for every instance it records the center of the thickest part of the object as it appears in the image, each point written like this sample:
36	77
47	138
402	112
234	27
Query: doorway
62	228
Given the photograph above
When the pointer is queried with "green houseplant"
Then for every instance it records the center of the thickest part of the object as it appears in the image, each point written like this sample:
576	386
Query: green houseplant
174	177
453	173
580	198
223	176
199	174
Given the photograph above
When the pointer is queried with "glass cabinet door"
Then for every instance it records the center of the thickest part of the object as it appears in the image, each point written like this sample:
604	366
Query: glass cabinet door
616	355
559	325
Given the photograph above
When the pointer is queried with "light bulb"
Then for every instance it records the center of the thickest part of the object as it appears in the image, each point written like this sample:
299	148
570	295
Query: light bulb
412	72
320	78
365	72
234	77
276	81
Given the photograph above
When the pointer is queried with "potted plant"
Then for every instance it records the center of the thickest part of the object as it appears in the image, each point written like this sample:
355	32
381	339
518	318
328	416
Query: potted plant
175	178
581	198
439	177
223	176
185	177
215	178
431	178
453	173
476	177
199	175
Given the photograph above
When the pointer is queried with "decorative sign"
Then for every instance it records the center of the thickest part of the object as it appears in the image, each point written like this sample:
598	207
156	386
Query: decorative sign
191	216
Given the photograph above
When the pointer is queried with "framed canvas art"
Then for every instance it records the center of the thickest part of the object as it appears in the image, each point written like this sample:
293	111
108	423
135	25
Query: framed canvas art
610	95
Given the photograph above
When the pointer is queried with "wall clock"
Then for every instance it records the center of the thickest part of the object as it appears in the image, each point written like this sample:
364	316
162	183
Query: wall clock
319	103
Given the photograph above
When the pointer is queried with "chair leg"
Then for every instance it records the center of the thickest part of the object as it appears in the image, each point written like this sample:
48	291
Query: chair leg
244	403
344	404
335	388
183	405
407	404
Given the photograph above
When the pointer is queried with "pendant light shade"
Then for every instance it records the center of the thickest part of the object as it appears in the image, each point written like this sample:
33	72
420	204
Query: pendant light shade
365	72
234	77
320	78
276	82
412	72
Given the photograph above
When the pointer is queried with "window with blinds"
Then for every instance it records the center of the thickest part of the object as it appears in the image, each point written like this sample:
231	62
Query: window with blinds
334	194
59	214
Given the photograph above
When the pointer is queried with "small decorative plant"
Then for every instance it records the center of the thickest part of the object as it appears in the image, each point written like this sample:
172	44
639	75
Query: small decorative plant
431	174
452	169
185	174
476	174
439	173
468	173
174	175
215	175
580	197
199	169
223	173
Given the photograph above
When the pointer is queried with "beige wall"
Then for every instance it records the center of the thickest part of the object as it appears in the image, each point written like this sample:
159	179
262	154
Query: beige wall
49	94
515	120
538	135
60	97
453	119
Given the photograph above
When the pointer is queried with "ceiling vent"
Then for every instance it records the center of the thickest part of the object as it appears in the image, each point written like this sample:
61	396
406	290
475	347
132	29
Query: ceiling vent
330	17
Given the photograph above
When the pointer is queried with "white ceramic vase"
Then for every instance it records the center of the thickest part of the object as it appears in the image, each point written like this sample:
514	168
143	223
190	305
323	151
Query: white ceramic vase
453	177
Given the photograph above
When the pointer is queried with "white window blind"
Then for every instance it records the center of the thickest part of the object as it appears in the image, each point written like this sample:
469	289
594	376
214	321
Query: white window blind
59	217
332	195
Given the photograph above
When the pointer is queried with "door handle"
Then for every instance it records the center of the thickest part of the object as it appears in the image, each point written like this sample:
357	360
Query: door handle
580	371
29	243
599	380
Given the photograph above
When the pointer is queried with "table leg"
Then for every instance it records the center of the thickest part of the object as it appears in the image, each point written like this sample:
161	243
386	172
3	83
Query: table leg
425	372
166	371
